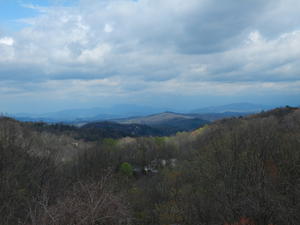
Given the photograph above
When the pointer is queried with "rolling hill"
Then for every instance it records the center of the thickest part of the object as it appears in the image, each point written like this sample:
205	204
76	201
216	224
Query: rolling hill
168	121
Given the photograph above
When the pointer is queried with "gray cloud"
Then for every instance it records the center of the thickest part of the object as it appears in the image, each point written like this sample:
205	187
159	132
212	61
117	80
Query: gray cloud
153	46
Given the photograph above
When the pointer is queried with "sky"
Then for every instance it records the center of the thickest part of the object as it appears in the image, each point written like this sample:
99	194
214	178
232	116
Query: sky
180	54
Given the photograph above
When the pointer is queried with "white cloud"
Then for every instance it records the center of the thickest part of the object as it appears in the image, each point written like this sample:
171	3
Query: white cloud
191	47
254	37
7	41
108	28
95	55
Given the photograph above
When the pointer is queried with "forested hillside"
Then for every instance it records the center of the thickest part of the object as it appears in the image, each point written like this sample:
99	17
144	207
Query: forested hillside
237	171
95	131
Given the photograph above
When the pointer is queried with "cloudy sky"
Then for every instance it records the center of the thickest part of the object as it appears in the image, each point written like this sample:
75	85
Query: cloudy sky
168	53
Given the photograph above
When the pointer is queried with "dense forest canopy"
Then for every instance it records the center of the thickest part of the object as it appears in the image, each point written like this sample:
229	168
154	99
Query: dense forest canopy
241	171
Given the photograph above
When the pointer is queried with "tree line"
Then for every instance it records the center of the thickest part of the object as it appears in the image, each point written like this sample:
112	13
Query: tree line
236	171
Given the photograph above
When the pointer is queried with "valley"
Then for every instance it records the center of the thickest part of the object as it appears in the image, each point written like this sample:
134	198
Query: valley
222	172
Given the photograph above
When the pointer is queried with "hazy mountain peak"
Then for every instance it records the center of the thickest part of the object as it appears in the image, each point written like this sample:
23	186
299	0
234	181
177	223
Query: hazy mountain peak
243	107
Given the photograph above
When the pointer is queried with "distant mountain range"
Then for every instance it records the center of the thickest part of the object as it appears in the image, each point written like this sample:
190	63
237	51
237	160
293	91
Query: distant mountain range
235	107
161	124
136	113
91	114
129	120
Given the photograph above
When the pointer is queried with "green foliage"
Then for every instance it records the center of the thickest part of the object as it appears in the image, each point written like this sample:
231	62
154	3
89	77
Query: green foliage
126	169
159	140
110	142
